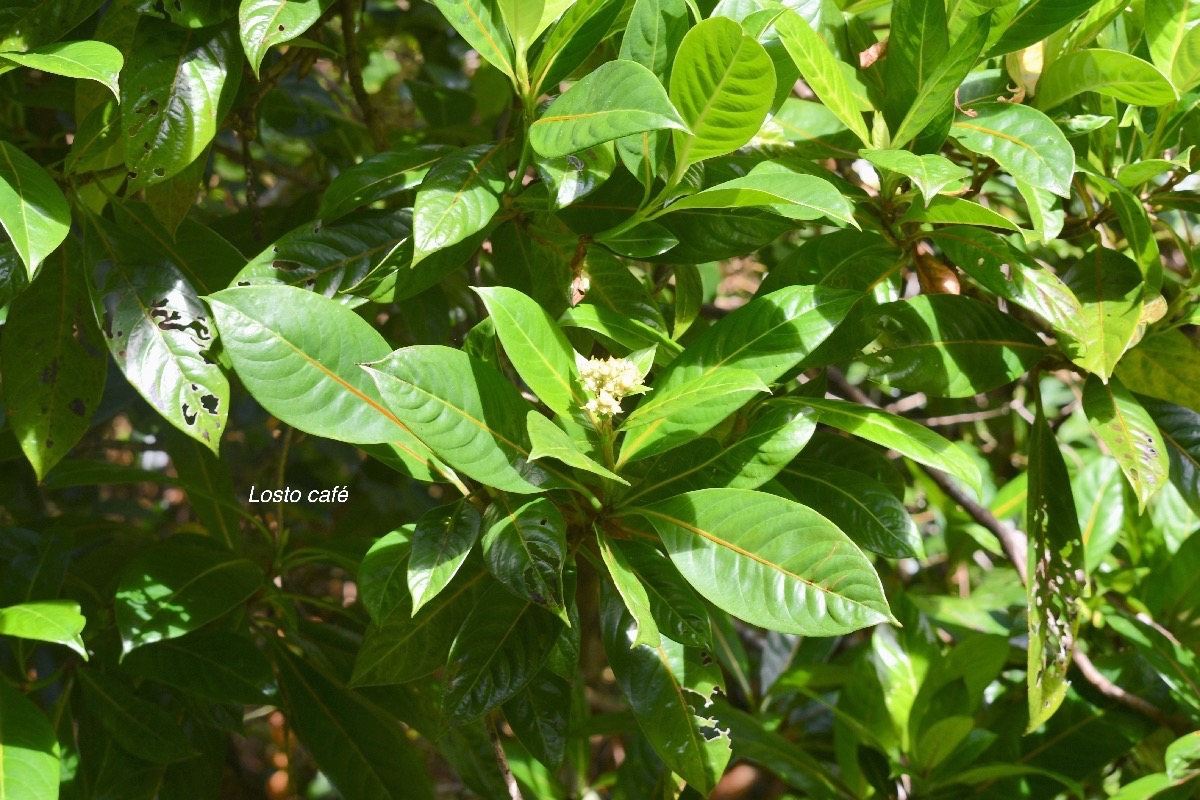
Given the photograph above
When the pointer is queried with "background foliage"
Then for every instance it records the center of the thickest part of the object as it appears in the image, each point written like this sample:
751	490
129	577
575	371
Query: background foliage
902	493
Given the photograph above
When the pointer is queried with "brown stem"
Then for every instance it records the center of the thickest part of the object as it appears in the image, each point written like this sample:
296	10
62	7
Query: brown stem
354	73
510	781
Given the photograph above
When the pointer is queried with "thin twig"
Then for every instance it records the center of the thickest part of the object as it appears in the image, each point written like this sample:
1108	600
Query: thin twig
510	781
354	73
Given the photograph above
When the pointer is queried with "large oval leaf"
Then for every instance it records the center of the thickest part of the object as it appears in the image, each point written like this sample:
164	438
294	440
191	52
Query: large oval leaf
619	98
1165	366
33	210
458	197
1131	436
29	762
175	90
1022	140
298	353
722	82
266	23
950	346
793	194
796	572
526	549
139	726
466	412
1110	289
1108	72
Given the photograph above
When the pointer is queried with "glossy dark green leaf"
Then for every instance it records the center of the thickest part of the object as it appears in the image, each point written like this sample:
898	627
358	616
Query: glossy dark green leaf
575	176
219	666
755	456
29	754
298	354
1165	366
1108	72
678	611
192	13
466	411
57	621
1022	140
526	549
458	197
539	715
795	195
1129	433
573	38
29	23
1007	272
441	543
33	210
798	572
1110	288
644	240
209	485
53	361
950	346
1037	19
918	42
1180	430
175	89
668	688
612	286
631	100
399	646
722	82
631	589
500	648
378	177
479	22
139	726
1175	663
157	330
1055	555
863	508
822	72
262	24
360	747
204	257
383	573
177	588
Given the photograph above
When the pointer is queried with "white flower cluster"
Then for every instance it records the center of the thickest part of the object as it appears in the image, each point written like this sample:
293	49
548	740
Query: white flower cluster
608	380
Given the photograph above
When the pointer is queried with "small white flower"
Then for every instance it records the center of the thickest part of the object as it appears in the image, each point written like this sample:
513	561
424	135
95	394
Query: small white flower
608	380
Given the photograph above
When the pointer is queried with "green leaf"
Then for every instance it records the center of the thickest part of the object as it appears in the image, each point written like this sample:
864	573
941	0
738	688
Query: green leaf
795	195
218	666
1045	211
822	72
538	350
550	441
627	332
950	346
57	621
618	98
175	90
458	197
1110	288
917	44
1036	20
669	688
206	259
751	459
1022	140
158	331
441	543
722	82
574	177
139	726
382	575
378	177
1055	555
910	439
1180	430
297	353
633	593
500	648
689	297
678	611
1186	72
653	34
360	747
85	60
861	506
262	24
644	240
572	40
1108	72
400	647
1135	224
525	548
31	23
33	210
466	412
479	22
29	758
936	96
53	362
930	174
957	211
1166	366
540	714
611	285
798	573
1166	28
177	588
1009	273
527	19
1175	663
1181	756
1129	433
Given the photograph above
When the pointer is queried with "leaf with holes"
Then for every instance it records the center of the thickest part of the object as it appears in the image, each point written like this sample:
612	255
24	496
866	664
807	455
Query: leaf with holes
458	197
33	210
722	82
175	91
466	411
1180	430
158	330
262	24
1130	434
798	573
